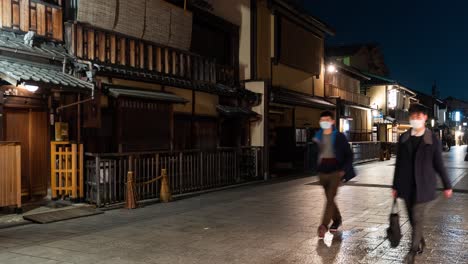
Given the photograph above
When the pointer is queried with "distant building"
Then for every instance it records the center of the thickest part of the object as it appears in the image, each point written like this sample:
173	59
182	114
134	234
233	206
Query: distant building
365	57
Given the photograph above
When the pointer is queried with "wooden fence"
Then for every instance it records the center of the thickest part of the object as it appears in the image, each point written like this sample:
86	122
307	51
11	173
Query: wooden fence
188	171
67	170
10	174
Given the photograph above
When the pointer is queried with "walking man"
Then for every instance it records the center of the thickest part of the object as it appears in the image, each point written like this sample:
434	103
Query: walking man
418	160
335	165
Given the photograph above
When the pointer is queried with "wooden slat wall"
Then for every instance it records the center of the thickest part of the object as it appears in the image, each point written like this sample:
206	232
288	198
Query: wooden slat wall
107	47
10	174
24	15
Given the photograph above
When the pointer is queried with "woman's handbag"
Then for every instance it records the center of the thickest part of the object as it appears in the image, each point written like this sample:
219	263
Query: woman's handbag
394	231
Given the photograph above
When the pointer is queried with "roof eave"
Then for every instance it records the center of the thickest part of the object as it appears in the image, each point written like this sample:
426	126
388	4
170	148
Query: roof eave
309	19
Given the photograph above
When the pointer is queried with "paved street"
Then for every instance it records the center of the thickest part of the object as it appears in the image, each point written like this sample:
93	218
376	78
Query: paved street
267	223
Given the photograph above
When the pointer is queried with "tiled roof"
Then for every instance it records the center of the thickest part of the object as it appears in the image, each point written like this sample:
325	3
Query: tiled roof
346	50
379	80
15	42
235	111
170	80
14	70
153	95
284	96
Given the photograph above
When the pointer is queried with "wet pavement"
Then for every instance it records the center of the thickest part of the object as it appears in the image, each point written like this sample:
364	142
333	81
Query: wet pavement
267	223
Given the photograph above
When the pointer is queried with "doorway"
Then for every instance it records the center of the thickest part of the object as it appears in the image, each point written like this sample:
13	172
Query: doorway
30	128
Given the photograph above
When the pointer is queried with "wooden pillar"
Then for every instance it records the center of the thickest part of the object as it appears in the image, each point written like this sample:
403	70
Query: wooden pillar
78	120
2	134
338	114
192	121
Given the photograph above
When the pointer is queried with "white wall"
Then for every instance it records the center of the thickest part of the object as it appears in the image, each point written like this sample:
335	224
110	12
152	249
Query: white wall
257	128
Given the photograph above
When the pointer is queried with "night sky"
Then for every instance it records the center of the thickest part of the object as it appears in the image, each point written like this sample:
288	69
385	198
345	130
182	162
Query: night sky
422	42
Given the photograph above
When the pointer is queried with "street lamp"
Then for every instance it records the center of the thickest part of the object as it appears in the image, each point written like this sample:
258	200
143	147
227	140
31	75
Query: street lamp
28	87
331	68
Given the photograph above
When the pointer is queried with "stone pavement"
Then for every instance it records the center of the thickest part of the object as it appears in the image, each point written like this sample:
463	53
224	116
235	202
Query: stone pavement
267	223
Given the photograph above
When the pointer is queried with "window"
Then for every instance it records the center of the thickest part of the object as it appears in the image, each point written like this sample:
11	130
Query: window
347	61
300	48
301	135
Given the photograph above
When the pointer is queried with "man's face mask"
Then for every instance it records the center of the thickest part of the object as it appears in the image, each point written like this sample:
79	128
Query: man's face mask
325	124
417	123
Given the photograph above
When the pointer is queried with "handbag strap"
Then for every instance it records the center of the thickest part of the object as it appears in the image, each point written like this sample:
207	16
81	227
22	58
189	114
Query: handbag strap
395	205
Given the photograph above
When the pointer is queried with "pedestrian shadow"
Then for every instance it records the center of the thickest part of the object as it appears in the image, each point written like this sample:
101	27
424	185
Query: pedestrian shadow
328	252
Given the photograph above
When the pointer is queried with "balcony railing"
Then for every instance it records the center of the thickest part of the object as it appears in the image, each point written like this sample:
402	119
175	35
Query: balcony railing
357	98
109	48
42	17
400	115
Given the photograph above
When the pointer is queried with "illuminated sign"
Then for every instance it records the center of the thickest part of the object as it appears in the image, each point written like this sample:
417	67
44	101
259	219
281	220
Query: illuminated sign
457	116
392	98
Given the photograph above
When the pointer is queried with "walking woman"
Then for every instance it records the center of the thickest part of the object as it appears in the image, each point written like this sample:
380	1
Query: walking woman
419	159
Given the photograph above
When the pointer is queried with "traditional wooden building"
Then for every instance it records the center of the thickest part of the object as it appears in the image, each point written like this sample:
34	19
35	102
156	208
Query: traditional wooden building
343	86
129	78
288	70
37	76
390	102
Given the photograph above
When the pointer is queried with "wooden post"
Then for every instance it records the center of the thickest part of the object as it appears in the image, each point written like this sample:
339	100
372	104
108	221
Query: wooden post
53	167
165	194
18	176
1	115
130	202
78	121
74	174
81	171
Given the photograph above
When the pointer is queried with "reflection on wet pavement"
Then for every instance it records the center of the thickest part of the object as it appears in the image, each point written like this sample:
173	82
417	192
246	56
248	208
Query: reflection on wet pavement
272	223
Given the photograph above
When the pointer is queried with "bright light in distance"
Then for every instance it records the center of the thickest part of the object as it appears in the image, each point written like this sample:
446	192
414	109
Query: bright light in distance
457	116
346	126
331	68
432	122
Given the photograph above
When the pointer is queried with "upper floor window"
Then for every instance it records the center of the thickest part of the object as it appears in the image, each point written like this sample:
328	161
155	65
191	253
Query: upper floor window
299	47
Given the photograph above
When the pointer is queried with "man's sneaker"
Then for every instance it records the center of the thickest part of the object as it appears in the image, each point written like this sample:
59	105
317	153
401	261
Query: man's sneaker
336	224
422	246
322	230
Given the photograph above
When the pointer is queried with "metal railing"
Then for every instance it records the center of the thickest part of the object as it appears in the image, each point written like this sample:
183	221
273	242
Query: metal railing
188	171
359	135
365	151
357	98
399	114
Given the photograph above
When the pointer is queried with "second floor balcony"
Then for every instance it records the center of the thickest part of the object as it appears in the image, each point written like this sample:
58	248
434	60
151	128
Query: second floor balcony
356	98
400	115
119	54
